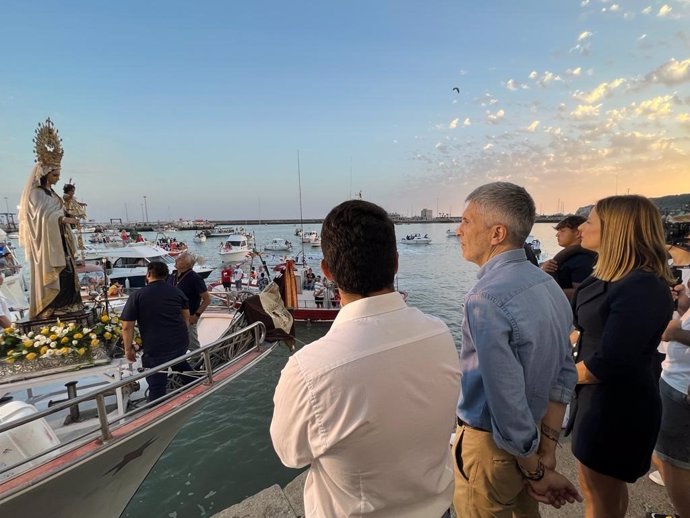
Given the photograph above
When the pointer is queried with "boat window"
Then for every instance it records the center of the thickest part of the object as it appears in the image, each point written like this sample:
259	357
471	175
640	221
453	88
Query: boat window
167	259
237	243
129	262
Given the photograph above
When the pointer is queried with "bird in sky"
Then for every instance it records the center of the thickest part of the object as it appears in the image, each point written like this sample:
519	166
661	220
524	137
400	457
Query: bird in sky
456	89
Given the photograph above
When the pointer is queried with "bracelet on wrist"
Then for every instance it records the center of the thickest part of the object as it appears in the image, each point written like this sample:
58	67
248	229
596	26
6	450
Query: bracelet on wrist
536	475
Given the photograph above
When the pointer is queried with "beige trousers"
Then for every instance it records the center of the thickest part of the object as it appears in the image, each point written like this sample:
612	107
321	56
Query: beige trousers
488	483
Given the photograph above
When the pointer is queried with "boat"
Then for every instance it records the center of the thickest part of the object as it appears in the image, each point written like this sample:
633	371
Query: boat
310	236
87	454
535	245
235	248
200	237
451	233
127	264
278	245
416	239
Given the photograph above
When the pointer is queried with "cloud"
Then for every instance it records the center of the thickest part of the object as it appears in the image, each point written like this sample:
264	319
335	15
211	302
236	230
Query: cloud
513	85
585	111
441	146
664	10
495	118
600	91
583	43
466	122
671	73
584	36
655	108
545	79
453	124
647	10
574	72
532	127
684	119
488	146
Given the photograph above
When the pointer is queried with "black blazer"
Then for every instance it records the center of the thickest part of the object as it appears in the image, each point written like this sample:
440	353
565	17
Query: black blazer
620	326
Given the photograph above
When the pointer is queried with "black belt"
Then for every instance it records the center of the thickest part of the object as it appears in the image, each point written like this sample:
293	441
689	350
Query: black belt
463	423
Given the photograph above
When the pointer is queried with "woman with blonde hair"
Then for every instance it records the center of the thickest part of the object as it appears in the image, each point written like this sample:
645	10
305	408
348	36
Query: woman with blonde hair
621	312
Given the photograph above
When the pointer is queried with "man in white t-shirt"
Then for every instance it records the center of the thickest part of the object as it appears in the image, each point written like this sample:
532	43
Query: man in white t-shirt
237	276
672	450
5	316
371	405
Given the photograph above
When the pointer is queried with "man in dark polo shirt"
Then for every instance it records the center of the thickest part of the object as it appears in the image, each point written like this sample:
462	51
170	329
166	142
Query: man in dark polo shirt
573	264
162	312
192	285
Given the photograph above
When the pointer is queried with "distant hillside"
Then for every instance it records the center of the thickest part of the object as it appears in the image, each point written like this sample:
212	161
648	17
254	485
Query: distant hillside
672	203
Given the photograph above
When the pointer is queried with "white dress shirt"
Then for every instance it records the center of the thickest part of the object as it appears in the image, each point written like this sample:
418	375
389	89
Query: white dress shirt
371	407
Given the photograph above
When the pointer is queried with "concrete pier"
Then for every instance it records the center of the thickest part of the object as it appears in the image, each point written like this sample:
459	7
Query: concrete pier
275	502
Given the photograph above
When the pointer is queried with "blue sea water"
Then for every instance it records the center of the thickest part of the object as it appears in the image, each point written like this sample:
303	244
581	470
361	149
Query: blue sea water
224	453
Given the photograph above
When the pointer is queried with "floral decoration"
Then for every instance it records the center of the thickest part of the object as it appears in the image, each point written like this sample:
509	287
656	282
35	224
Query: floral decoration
59	340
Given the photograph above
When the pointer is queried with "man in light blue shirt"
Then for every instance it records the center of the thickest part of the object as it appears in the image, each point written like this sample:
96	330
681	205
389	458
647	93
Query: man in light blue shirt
517	369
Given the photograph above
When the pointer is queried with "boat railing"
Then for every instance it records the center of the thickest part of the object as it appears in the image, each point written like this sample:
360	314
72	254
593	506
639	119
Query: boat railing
211	359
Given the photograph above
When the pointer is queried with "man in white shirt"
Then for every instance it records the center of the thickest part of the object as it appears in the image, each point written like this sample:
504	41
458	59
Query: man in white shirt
371	405
237	277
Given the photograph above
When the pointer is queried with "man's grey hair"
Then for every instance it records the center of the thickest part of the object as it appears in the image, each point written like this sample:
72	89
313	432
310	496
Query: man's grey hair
507	204
188	256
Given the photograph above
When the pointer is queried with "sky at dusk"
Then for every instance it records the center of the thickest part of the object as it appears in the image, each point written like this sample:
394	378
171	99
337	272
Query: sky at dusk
203	106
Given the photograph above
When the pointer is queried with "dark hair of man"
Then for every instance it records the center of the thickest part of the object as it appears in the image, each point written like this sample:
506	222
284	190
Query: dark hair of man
157	269
571	222
358	244
67	188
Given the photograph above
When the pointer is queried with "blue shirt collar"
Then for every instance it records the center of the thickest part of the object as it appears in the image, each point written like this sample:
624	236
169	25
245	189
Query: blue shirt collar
514	255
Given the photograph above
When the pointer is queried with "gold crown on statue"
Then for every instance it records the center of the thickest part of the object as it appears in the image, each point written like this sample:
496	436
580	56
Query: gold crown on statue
48	144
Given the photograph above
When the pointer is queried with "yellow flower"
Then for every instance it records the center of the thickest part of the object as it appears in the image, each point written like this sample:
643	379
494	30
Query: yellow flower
81	351
45	331
115	320
107	335
53	338
65	350
9	360
137	340
64	340
31	356
105	318
94	342
44	349
27	344
78	336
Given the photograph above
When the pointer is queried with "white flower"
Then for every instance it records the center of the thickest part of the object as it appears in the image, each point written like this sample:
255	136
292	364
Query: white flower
53	344
75	342
86	330
31	334
108	328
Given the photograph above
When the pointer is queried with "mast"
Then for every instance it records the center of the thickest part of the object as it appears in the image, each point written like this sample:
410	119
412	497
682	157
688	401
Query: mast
301	221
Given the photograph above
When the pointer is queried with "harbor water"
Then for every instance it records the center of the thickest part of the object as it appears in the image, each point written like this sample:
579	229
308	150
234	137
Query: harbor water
224	454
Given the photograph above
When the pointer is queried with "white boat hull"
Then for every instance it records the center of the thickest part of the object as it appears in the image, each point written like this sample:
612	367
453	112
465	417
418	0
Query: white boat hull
91	477
231	257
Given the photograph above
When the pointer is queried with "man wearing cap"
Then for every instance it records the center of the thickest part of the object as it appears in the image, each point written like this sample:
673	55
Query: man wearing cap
573	264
